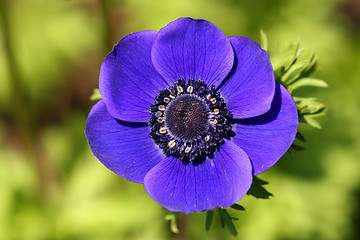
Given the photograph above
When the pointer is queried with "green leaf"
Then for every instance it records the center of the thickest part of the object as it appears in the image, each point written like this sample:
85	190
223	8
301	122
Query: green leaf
312	122
319	113
222	222
300	136
293	70
311	66
309	105
238	207
227	219
307	82
96	95
263	40
257	190
209	218
280	62
298	51
292	74
260	181
173	225
296	147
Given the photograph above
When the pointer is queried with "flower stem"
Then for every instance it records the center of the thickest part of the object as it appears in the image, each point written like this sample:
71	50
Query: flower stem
106	16
182	224
20	114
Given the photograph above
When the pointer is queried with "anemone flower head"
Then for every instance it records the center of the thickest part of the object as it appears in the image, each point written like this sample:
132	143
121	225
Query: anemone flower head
191	114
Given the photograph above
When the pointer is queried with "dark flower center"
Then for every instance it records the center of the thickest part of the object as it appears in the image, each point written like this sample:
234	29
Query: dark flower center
186	118
189	120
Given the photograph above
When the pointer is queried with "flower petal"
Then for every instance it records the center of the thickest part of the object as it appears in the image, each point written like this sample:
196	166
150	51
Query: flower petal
188	48
128	81
198	186
250	86
267	137
125	148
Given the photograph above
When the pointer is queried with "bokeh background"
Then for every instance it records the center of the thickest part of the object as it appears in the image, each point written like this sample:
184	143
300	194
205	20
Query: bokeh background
52	187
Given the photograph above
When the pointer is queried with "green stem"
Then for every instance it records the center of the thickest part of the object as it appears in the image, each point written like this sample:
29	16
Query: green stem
20	111
106	16
182	224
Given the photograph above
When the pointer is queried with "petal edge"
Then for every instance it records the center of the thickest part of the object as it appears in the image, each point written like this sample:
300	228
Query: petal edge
128	81
123	147
200	186
266	138
249	89
192	48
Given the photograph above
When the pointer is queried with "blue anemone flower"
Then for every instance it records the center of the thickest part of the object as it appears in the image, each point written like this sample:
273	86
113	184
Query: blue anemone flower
191	114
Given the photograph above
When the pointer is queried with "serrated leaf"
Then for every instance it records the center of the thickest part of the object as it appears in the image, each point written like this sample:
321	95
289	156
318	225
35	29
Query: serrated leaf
260	181
280	62
293	73
171	217
298	52
298	49
228	220
238	207
312	122
287	57
311	67
278	74
319	113
283	58
96	95
308	105
307	82
263	40
296	147
300	136
209	218
257	190
311	109
314	110
222	222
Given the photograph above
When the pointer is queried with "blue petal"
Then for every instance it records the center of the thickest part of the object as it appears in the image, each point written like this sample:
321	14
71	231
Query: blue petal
125	148
250	86
199	186
267	137
188	48
128	81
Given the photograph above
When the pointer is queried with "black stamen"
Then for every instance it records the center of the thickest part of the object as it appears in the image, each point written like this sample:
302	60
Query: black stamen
189	120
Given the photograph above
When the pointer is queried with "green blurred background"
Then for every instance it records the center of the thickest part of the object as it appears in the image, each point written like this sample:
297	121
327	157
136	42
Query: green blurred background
52	187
